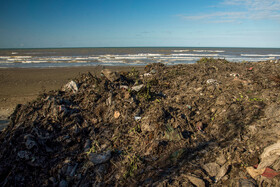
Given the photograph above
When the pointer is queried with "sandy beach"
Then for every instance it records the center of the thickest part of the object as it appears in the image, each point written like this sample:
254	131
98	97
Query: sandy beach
22	85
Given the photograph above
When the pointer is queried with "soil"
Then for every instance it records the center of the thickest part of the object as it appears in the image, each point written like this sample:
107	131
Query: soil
186	125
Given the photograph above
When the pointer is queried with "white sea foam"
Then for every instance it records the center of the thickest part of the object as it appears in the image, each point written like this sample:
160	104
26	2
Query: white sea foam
255	55
19	57
209	51
195	55
93	57
180	51
81	58
179	57
33	61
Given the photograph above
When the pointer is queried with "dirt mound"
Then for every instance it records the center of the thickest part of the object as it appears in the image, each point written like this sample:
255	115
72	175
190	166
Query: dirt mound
198	124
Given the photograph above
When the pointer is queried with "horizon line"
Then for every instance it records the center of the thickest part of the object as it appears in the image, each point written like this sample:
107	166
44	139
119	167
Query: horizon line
133	47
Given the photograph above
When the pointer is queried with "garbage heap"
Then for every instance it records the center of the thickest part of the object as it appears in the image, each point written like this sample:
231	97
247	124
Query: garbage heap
199	124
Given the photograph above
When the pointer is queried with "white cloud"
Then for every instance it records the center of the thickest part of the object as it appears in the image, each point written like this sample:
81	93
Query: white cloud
254	10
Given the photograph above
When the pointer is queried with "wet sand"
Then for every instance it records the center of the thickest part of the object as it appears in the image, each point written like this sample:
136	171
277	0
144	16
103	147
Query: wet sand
22	85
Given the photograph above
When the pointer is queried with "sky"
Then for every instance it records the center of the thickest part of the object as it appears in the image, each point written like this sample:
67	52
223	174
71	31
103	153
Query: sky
131	23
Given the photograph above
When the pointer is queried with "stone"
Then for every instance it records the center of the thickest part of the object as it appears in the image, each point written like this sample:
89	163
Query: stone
29	142
221	173
24	155
221	160
247	183
63	183
100	158
221	100
212	169
196	181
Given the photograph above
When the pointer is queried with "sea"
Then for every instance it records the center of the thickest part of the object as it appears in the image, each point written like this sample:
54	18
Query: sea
128	56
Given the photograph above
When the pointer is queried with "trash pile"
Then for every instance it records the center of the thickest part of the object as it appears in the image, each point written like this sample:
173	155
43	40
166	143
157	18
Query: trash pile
209	123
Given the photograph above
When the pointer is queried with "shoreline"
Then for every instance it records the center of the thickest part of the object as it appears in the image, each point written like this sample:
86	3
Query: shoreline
22	85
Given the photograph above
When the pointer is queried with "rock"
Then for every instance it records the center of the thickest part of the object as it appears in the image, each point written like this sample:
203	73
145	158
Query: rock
63	183
117	114
221	160
100	158
221	100
29	143
110	75
196	181
212	169
247	183
24	155
137	88
221	173
71	87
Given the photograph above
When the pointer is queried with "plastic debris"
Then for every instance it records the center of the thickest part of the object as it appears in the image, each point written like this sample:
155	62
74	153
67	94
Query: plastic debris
270	156
137	88
147	74
270	173
234	75
254	172
71	86
137	118
212	82
124	87
117	114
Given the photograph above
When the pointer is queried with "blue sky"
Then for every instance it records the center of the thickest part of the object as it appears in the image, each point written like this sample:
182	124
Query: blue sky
121	23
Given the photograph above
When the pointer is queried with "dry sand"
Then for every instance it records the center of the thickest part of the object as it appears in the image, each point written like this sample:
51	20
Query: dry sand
22	85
